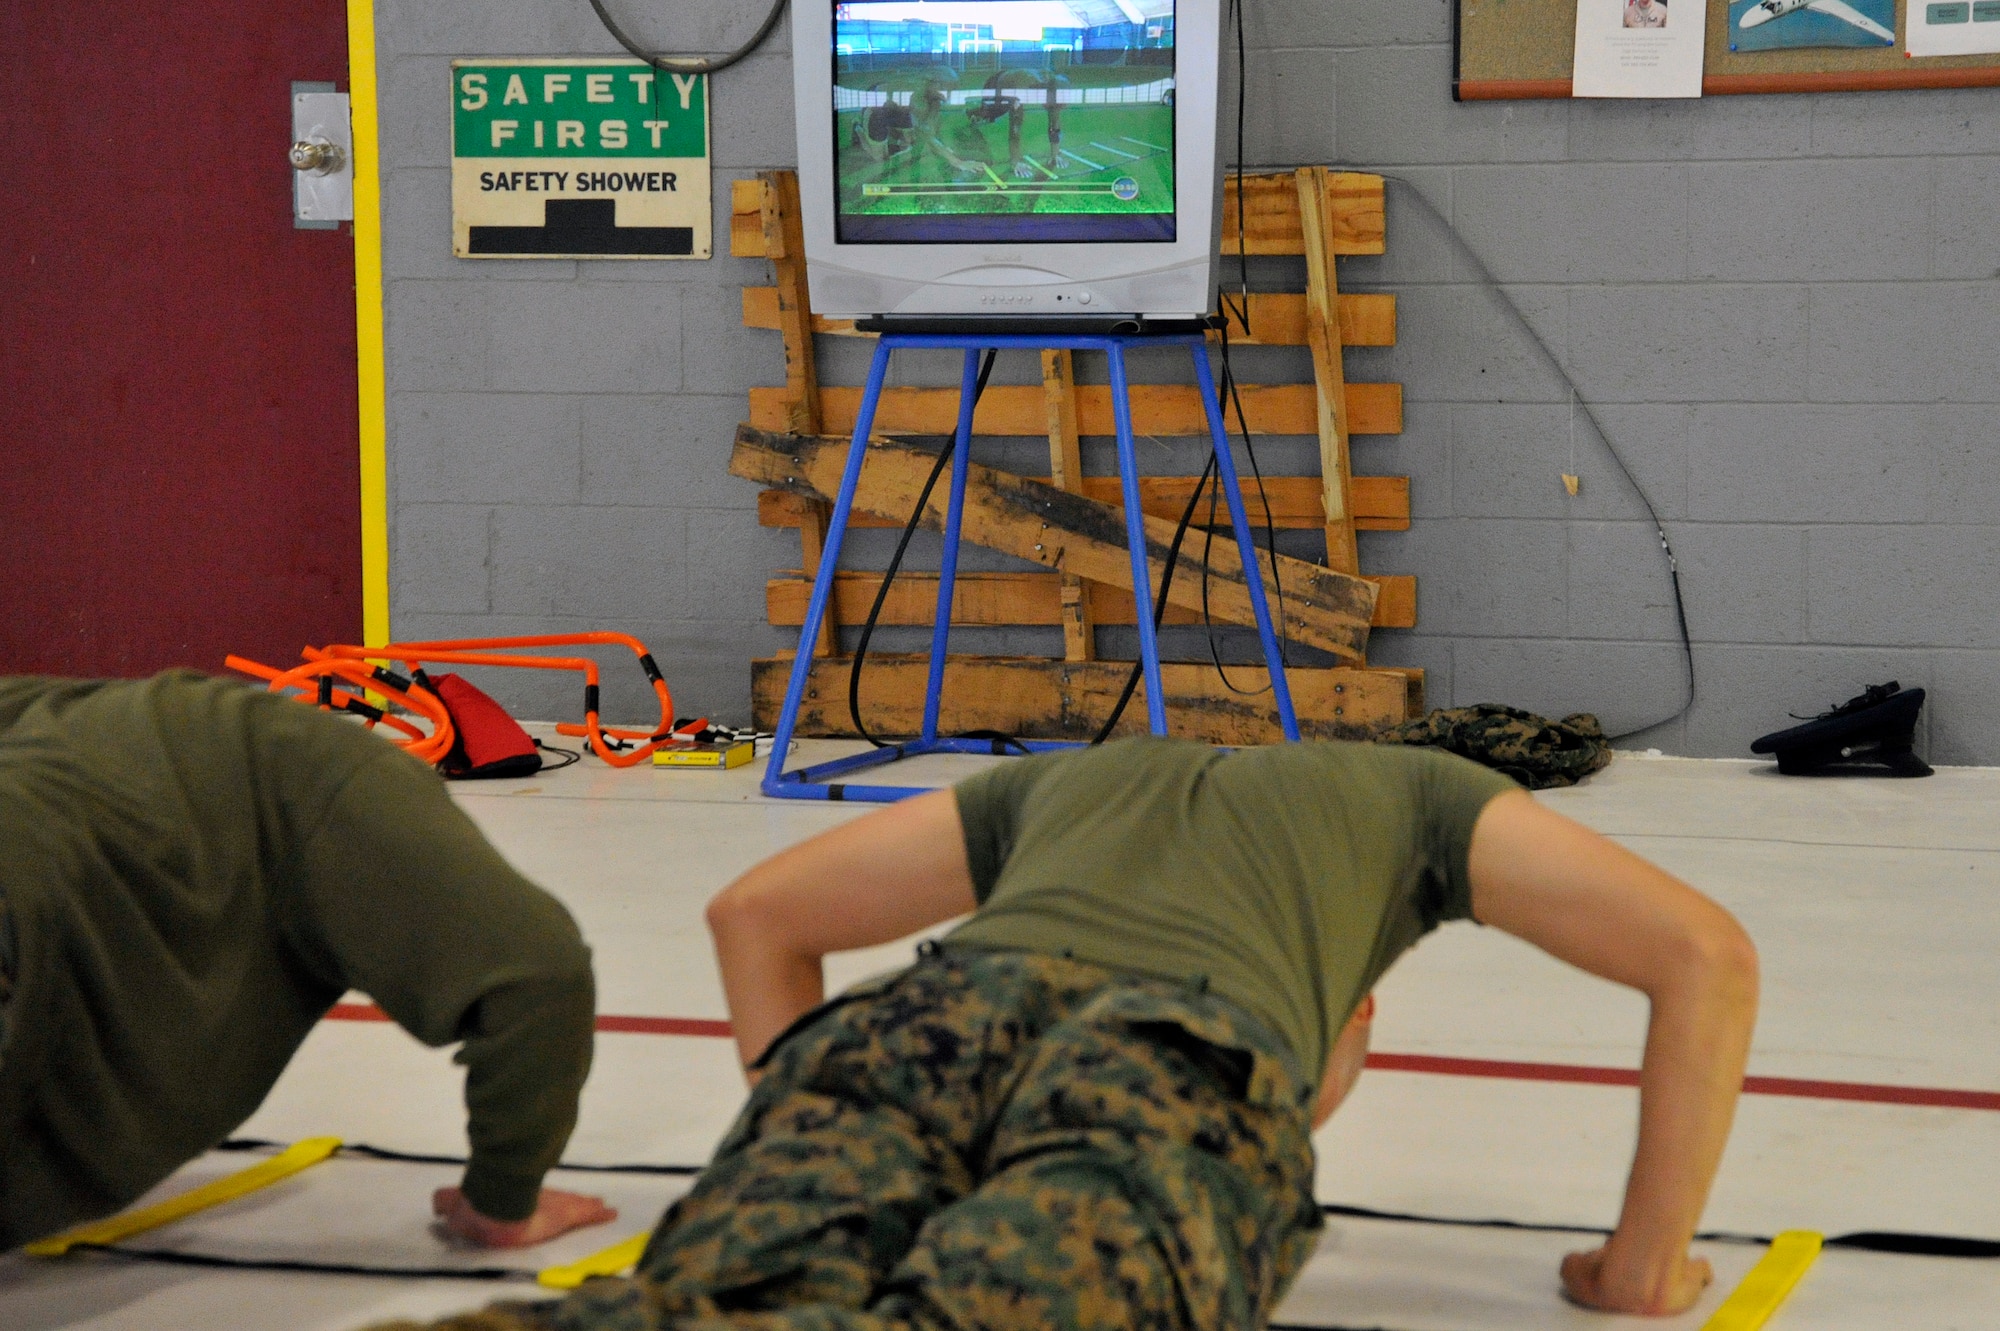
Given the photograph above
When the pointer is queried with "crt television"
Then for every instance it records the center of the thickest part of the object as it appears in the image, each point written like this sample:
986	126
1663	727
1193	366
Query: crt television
1009	159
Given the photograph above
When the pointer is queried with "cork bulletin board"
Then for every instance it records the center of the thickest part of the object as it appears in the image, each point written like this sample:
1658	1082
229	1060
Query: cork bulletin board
1506	49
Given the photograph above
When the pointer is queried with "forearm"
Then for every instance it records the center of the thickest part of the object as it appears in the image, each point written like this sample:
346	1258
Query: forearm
876	879
1592	903
526	1061
1697	1044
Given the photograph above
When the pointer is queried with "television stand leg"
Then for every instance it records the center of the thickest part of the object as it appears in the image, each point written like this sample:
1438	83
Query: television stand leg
961	454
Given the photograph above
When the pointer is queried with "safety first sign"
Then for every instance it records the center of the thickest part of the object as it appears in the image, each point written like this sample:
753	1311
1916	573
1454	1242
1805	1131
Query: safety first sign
578	159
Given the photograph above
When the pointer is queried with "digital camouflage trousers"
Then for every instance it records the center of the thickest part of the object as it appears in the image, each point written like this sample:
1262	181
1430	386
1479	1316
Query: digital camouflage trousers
988	1140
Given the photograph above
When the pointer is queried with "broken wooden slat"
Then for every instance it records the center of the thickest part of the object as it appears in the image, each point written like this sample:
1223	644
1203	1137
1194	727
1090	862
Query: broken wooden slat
1031	599
746	218
784	245
1271	224
1061	531
1041	699
1277	319
1329	377
1272	220
1359	222
1381	503
1415	676
1162	409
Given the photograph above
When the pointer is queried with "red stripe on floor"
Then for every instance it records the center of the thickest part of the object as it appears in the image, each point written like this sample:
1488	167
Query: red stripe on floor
1869	1092
1806	1088
1484	1067
615	1025
664	1026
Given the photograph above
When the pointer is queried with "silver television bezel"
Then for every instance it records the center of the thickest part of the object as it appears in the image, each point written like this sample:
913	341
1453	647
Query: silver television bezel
1159	279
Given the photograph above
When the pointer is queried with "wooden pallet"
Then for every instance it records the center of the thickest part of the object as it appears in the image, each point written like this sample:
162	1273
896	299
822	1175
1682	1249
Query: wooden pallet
1313	212
1070	534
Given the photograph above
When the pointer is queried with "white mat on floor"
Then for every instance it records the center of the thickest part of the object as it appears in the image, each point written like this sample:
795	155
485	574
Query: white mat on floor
1393	1275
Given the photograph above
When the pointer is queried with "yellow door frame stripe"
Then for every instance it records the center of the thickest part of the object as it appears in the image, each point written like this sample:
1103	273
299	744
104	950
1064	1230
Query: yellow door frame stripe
368	324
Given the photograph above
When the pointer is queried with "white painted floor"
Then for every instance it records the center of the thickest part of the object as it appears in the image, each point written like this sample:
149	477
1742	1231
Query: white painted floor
1875	904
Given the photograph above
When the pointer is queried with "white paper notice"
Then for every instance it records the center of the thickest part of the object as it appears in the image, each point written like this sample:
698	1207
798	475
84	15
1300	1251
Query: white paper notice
1957	27
1640	48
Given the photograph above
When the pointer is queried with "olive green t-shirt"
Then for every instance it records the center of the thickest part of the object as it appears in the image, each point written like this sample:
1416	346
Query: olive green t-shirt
1287	877
195	871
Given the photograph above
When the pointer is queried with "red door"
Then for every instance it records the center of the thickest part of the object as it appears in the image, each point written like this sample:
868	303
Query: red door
178	435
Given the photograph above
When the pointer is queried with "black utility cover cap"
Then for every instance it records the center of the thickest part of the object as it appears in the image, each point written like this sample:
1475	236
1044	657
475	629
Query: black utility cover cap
1868	735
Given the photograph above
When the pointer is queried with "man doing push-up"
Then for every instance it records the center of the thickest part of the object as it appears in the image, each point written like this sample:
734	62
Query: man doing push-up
195	872
1090	1106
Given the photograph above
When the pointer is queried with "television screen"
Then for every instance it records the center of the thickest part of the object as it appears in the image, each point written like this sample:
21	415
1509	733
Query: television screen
961	121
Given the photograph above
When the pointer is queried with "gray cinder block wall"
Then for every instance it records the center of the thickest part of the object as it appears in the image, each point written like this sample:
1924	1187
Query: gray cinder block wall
1786	310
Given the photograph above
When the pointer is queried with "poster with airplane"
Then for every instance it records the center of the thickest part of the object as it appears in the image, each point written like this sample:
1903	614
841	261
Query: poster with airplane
1778	25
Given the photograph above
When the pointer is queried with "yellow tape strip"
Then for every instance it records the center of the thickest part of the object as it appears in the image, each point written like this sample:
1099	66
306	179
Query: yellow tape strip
298	1156
1769	1282
615	1260
370	353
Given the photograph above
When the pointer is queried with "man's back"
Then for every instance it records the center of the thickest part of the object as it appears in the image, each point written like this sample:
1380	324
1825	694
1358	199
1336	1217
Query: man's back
1287	878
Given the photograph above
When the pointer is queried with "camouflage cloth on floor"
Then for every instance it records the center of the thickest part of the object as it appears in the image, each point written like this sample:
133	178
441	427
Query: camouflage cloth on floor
988	1140
1535	751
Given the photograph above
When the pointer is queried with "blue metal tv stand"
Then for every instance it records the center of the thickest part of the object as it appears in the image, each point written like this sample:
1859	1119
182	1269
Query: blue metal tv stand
817	782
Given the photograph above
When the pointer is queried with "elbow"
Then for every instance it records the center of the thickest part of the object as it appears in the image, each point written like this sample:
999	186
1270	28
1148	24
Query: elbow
727	910
739	911
1721	959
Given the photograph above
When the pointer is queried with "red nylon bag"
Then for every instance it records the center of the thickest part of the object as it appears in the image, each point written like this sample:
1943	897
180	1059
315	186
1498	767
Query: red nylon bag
490	743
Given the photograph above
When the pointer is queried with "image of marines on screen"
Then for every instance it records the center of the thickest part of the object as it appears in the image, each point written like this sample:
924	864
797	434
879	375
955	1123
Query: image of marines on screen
952	110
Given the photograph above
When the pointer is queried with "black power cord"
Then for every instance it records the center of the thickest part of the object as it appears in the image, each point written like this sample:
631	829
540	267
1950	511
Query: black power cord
1242	313
1240	309
1235	398
687	64
1159	602
896	564
1582	403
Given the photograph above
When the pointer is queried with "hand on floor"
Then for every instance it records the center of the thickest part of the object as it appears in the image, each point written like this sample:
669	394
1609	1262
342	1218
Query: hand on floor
555	1214
1594	1283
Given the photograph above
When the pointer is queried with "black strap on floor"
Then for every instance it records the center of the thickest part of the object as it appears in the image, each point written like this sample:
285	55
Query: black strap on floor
174	1258
1872	1240
413	1158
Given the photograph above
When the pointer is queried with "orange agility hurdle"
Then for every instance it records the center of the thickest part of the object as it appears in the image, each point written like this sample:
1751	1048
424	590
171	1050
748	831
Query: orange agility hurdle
317	677
620	747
